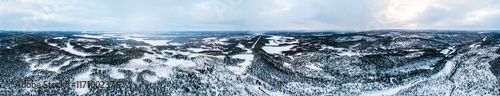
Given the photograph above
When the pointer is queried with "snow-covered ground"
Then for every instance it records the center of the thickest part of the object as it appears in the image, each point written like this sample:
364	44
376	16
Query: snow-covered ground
69	48
116	74
85	40
473	71
59	37
324	47
240	69
179	62
196	49
277	49
43	66
162	68
393	91
85	76
214	40
447	69
189	54
313	67
276	40
55	69
51	44
350	53
151	78
268	92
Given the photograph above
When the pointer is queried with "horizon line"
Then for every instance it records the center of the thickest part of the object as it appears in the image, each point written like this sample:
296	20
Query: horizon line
265	30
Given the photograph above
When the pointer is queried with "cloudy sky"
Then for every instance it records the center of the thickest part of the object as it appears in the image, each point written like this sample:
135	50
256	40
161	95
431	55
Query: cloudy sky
252	15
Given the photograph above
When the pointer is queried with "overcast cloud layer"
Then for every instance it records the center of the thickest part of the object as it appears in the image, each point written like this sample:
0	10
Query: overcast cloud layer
252	15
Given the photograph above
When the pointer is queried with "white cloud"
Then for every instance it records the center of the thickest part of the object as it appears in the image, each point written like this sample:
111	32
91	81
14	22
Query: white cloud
165	15
479	15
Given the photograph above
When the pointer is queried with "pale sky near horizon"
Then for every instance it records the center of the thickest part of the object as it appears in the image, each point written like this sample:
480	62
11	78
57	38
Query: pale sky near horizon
250	15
